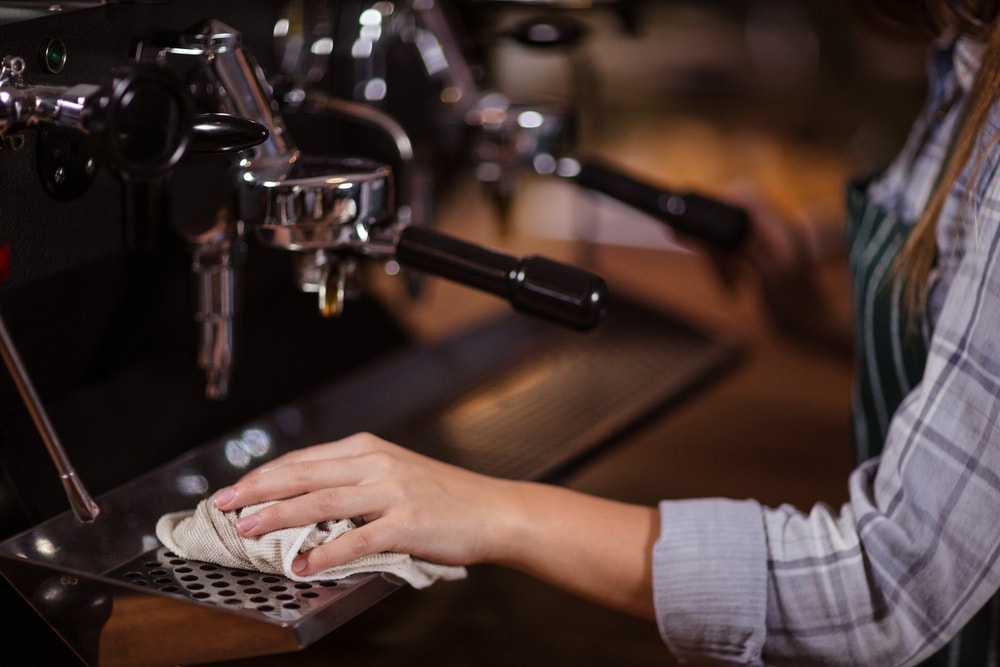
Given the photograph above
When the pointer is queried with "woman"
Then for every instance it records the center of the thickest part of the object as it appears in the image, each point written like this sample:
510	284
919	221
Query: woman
906	566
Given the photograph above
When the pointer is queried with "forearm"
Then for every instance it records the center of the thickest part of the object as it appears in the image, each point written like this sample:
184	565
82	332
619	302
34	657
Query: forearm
592	547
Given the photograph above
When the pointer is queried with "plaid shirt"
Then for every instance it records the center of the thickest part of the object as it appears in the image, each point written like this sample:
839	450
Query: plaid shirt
891	575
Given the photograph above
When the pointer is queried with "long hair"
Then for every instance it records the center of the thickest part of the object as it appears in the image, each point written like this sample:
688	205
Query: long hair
924	20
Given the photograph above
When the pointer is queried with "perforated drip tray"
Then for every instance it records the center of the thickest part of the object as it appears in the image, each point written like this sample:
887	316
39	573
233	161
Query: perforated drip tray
517	398
271	595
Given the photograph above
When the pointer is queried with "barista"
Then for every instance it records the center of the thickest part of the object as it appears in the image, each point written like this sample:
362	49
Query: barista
904	572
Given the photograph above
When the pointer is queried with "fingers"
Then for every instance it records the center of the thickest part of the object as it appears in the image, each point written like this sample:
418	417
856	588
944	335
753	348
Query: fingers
328	504
331	464
364	541
352	445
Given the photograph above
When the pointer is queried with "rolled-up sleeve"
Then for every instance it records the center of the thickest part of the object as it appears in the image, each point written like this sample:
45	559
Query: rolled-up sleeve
710	580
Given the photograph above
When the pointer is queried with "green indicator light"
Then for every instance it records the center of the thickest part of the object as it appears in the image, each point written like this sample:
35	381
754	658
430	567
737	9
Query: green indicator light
54	57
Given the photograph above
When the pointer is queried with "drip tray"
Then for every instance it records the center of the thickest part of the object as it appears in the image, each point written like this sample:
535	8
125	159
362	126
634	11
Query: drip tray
518	398
272	596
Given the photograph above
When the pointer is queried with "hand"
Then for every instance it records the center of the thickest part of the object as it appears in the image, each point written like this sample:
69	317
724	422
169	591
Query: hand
597	548
406	502
778	255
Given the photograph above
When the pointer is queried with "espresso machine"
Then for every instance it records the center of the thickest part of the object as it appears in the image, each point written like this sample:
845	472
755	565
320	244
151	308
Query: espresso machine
182	297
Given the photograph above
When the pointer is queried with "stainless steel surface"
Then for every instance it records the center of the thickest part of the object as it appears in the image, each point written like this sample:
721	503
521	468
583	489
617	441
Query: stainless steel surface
236	85
84	507
216	257
380	26
516	398
139	121
413	202
157	613
325	204
18	11
321	208
22	105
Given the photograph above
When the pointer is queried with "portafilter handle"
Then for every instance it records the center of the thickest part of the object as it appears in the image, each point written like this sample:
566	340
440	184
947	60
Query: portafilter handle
557	292
330	209
714	223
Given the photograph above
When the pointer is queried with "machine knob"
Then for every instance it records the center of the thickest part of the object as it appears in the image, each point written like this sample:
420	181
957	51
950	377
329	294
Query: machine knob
143	127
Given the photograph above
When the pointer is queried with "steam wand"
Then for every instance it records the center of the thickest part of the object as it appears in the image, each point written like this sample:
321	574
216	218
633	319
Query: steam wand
83	505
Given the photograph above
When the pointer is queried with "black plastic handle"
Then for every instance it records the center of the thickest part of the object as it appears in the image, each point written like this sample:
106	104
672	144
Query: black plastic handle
558	292
224	133
708	220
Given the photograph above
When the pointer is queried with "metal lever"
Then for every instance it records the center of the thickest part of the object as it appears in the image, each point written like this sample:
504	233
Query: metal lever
558	292
708	220
84	507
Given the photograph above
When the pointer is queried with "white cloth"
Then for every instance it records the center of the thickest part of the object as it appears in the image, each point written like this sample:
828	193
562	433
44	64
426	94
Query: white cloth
209	534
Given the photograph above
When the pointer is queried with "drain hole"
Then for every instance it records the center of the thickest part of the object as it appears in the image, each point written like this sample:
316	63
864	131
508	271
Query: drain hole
195	587
232	601
220	584
245	582
270	580
258	600
178	561
170	589
182	570
133	575
291	605
214	575
157	573
189	577
265	607
252	591
227	593
302	585
310	594
153	563
277	589
163	581
201	596
284	596
208	567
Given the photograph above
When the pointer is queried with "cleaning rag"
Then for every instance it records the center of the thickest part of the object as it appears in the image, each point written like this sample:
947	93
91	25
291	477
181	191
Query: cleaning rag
209	534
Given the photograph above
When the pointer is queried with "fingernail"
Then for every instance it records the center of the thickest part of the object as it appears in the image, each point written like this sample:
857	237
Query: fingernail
299	565
246	524
225	496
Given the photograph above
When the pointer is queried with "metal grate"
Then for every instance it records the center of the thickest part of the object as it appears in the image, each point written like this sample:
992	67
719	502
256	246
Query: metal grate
568	395
273	596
